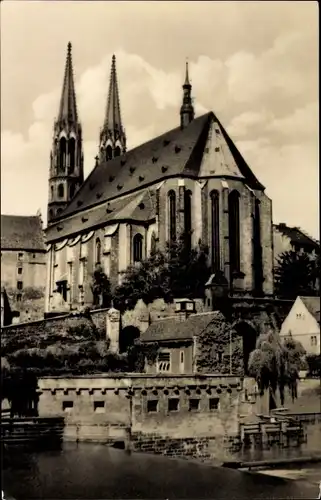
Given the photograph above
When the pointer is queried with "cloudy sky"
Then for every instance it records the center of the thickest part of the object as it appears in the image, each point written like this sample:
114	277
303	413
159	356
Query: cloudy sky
255	64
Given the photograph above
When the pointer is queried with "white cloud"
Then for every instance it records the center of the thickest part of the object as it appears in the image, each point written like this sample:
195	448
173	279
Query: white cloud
278	69
291	178
247	122
301	124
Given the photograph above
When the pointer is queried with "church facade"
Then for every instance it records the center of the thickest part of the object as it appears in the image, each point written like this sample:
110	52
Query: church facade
191	179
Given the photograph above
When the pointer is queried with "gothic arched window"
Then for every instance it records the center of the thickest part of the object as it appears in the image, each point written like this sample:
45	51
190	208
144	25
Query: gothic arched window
59	211
109	152
215	230
257	248
52	191
62	153
72	154
234	230
137	248
61	190
188	218
172	215
117	151
51	213
72	190
153	244
98	251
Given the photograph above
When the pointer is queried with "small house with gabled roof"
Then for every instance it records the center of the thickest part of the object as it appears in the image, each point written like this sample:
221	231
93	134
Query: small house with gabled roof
191	342
303	324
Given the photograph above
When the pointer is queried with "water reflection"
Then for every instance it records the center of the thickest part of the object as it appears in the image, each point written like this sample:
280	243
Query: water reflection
89	471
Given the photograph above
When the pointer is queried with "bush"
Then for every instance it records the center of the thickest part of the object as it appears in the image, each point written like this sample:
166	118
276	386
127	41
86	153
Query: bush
314	365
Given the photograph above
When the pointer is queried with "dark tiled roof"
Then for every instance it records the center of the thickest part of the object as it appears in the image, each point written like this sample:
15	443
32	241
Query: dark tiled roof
144	165
138	207
296	236
178	152
313	306
173	329
22	233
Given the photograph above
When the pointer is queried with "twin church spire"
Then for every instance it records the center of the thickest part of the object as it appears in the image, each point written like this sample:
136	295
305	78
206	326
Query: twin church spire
66	157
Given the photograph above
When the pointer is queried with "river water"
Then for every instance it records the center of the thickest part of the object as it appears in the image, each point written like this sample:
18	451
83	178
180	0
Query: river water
90	471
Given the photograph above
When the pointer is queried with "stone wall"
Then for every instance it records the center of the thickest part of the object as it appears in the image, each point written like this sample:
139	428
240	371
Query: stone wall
154	413
41	332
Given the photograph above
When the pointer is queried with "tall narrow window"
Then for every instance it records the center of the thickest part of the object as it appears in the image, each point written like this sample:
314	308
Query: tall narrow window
172	215
234	230
72	154
188	218
72	190
52	191
109	152
215	230
257	249
98	251
61	190
62	153
137	247
117	151
153	244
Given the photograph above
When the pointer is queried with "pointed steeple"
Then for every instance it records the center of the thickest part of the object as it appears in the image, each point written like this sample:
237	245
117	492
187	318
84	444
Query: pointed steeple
187	109
112	135
68	108
187	83
66	173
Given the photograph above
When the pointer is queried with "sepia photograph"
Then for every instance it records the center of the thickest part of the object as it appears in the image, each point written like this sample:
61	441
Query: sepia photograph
160	250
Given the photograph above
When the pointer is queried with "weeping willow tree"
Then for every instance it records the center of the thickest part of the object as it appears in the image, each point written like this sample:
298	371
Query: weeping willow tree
276	364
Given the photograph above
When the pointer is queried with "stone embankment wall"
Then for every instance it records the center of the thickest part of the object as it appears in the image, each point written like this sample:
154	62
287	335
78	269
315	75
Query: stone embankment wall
193	416
44	328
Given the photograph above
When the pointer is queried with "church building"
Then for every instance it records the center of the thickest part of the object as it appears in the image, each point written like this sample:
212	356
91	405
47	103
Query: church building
191	179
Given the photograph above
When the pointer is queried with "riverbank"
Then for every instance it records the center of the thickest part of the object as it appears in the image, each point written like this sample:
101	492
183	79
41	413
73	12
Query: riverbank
310	474
273	463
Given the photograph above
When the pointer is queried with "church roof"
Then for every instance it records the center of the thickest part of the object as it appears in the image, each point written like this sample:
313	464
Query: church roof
139	207
296	235
178	152
172	329
313	306
20	232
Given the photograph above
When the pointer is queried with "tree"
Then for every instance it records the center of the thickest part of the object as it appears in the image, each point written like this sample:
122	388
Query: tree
175	273
141	281
275	365
295	275
186	270
100	287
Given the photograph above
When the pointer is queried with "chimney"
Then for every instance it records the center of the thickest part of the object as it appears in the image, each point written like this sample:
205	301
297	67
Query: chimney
113	329
184	308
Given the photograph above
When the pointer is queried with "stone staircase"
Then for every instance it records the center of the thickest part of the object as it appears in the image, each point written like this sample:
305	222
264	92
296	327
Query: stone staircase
33	431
